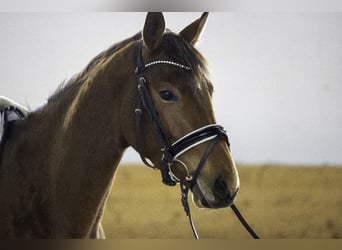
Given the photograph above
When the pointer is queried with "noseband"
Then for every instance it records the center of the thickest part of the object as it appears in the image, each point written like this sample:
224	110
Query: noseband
171	151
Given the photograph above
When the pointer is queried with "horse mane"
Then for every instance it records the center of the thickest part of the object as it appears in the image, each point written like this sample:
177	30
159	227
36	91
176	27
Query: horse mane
176	48
180	51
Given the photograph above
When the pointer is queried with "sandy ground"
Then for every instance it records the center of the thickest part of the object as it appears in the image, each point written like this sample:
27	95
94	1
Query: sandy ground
278	202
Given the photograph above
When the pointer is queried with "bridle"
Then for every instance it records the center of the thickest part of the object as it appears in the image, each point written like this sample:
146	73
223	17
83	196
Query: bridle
171	152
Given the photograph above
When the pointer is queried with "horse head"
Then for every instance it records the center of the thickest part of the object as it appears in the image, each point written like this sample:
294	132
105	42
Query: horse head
176	126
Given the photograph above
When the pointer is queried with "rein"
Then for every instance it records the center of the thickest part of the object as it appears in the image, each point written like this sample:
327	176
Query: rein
212	133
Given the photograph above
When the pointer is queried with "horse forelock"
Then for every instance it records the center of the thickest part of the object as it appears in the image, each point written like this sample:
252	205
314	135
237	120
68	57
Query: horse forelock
180	51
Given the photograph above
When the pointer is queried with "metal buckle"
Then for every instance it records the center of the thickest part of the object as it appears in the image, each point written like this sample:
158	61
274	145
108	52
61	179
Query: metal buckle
176	179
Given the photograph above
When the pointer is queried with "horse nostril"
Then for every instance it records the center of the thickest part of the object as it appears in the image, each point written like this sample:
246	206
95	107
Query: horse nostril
221	189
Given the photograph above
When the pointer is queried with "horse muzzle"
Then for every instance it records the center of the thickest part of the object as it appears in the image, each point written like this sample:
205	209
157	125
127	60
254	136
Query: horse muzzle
217	196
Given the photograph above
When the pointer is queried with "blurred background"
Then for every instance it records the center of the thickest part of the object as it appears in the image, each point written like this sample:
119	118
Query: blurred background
277	76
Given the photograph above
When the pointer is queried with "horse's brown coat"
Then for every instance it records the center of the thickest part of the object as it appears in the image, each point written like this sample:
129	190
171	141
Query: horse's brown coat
58	165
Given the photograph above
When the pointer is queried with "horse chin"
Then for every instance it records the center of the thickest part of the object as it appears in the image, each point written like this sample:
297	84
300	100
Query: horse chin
204	199
199	198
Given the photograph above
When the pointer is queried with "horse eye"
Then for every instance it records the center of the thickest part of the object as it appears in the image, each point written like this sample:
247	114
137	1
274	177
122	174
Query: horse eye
167	96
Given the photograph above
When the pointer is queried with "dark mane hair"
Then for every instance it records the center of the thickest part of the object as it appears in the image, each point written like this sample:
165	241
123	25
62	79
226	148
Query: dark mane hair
179	50
110	51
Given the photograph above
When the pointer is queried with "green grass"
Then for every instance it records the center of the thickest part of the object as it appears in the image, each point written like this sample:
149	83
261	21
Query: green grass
277	201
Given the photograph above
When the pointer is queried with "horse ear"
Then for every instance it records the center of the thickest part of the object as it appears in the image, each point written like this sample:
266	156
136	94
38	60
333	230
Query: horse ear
192	32
153	30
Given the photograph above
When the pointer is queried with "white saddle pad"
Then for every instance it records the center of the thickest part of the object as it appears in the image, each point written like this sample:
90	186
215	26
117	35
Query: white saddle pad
10	111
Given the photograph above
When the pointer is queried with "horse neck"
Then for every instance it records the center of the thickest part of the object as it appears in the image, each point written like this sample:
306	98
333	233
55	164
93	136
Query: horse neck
92	140
83	144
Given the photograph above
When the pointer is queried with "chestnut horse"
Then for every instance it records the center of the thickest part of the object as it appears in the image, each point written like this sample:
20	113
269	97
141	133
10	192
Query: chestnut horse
57	165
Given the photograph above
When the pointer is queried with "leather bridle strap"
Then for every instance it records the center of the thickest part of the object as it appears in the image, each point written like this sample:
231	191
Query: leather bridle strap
185	188
185	192
145	102
197	137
